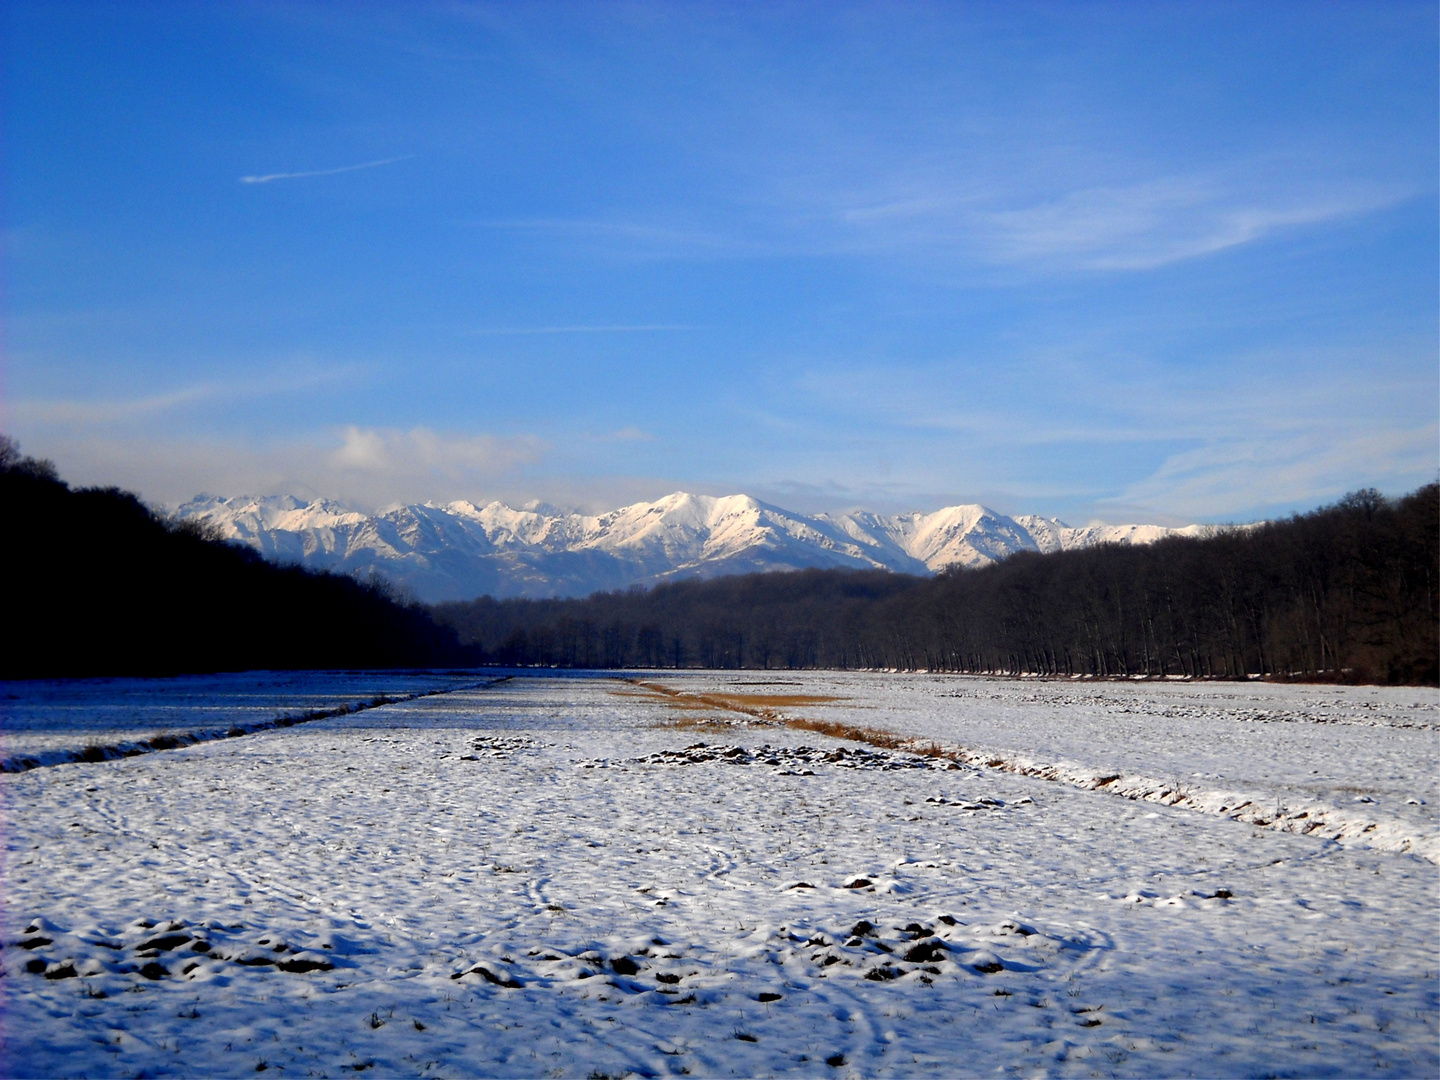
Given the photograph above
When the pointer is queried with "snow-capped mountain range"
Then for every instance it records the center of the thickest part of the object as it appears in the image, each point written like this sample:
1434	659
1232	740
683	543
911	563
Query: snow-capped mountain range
459	550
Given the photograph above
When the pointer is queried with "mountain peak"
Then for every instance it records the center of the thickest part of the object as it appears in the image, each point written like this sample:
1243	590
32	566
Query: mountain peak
459	550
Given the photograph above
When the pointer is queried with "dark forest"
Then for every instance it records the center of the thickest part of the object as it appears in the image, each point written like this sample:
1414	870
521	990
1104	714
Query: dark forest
1347	592
97	584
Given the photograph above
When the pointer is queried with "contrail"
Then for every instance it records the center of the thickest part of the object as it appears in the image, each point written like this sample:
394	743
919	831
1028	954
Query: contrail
639	329
320	172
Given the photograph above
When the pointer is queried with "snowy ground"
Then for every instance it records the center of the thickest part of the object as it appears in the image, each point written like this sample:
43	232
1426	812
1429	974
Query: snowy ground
553	877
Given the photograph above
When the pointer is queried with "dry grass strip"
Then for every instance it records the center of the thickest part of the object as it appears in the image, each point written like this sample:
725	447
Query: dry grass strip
764	707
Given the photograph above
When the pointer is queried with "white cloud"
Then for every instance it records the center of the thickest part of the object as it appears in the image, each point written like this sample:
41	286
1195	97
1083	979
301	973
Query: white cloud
420	454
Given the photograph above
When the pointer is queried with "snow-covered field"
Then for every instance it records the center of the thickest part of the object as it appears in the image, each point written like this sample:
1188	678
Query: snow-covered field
45	718
555	877
1364	762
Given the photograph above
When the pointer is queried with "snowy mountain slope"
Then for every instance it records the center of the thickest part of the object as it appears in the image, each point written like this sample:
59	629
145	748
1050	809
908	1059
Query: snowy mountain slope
971	535
460	550
1052	534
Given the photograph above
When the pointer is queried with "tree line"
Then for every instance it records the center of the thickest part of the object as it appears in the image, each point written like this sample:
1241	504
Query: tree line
1347	592
98	584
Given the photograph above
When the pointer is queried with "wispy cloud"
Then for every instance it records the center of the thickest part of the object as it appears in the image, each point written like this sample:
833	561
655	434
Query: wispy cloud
83	413
1062	223
119	411
958	220
1152	224
648	239
271	177
1224	476
627	434
639	328
1257	434
1102	391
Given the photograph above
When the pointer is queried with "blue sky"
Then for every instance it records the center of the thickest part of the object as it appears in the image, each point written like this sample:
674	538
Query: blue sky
1137	262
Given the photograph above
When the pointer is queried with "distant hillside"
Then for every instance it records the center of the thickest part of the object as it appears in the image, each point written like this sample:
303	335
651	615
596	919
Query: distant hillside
1349	592
459	551
98	585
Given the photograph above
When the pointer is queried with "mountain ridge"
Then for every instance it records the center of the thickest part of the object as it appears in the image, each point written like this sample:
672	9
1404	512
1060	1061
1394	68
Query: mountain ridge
458	550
